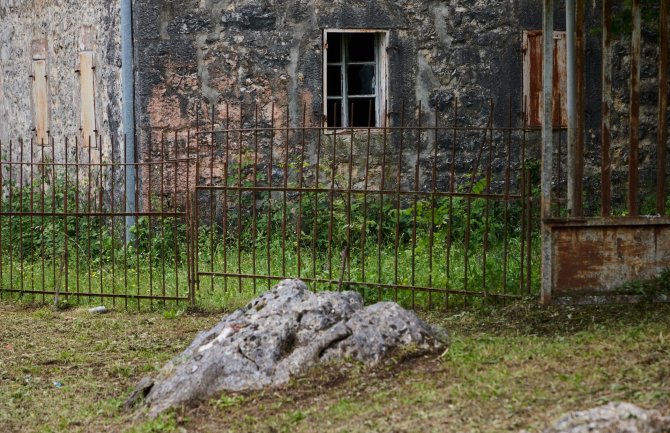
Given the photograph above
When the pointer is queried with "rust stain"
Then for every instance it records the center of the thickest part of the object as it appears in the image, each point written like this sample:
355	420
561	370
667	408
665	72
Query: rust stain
590	259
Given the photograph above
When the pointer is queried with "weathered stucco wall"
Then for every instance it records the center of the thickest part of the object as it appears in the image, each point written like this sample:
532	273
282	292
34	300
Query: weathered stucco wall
227	56
58	30
262	51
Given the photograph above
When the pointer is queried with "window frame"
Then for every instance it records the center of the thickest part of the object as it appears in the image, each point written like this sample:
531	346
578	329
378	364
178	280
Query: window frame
381	77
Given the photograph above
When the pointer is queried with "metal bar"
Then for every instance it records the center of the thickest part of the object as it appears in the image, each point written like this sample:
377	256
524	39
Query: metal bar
346	131
524	222
487	205
113	219
417	182
46	165
364	226
65	210
605	137
21	217
162	217
137	171
577	205
404	192
269	215
347	246
331	199
452	190
239	207
2	227
506	188
76	219
32	218
10	199
149	200
633	149
572	45
316	201
368	284
529	228
175	231
433	188
254	206
301	172
547	142
382	184
224	222
284	196
397	202
559	161
212	144
661	145
101	221
94	295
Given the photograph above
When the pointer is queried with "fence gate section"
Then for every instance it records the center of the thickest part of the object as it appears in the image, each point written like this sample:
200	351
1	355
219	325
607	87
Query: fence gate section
422	213
71	230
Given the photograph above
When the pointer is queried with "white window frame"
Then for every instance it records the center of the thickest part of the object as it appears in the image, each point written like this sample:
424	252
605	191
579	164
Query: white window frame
381	76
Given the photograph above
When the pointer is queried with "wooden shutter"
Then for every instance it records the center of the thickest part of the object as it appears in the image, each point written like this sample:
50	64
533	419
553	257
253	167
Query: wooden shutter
87	99
532	78
40	101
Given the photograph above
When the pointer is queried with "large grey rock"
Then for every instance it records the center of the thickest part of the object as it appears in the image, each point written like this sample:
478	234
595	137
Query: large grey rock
277	336
612	418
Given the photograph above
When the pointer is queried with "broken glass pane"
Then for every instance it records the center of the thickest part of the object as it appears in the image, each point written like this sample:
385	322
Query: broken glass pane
362	112
361	47
334	47
334	81
361	79
334	114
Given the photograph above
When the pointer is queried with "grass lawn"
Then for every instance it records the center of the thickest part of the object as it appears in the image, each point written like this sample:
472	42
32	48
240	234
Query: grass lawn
508	368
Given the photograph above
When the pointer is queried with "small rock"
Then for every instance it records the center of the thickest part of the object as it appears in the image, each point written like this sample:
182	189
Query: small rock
98	310
612	418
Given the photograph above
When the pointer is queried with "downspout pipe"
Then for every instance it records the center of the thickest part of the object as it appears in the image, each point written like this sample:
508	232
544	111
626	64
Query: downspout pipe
128	107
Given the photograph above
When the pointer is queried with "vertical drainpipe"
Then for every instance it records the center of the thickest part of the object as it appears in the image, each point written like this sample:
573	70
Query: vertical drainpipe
128	106
547	143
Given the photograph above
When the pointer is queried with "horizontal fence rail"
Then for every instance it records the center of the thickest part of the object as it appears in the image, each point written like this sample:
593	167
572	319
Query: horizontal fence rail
422	213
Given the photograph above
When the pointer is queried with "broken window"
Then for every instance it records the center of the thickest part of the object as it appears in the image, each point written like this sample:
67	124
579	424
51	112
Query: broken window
354	77
532	78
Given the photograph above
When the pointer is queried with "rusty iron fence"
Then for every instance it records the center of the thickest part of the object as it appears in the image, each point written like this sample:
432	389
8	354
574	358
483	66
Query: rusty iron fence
428	212
66	234
605	222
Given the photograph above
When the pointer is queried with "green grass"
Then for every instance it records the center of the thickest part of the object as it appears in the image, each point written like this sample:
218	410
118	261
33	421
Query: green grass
507	368
375	266
443	243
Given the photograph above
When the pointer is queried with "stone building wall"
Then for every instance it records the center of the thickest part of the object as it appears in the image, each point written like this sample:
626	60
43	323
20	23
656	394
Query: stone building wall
248	51
57	31
198	57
